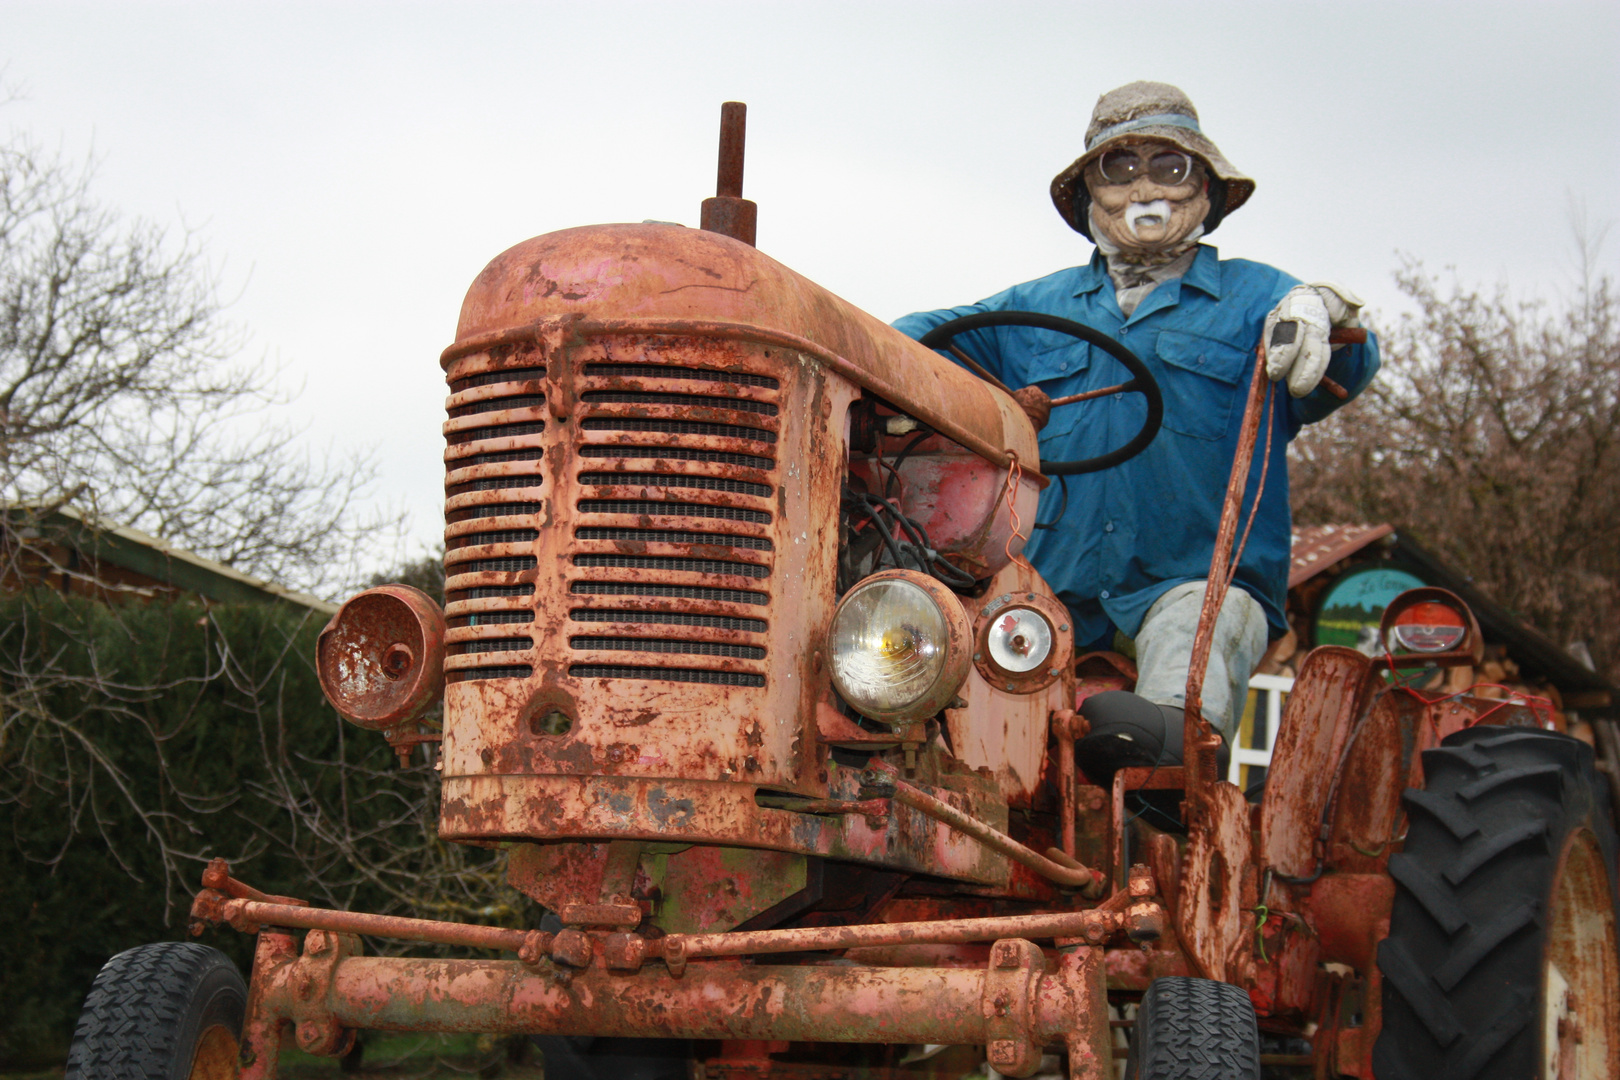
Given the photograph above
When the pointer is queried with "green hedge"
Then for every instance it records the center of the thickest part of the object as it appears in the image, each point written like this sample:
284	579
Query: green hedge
139	740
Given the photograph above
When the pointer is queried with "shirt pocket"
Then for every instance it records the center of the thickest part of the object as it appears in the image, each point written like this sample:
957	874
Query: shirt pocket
1059	368
1055	362
1199	379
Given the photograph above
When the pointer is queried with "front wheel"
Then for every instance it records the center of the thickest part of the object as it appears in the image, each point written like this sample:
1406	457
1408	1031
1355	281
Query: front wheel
1194	1029
1501	959
167	1011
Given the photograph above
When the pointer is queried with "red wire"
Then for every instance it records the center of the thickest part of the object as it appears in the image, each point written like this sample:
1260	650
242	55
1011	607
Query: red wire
1540	706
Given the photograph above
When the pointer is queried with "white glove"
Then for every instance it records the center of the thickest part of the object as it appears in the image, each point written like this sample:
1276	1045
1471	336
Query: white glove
1296	332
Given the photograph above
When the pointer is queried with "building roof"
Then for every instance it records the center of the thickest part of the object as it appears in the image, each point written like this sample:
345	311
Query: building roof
1317	547
154	559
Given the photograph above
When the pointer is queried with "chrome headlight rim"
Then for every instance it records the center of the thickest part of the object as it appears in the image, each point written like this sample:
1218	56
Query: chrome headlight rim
956	637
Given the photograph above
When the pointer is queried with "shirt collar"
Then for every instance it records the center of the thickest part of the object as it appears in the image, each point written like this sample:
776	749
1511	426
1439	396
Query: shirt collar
1094	275
1204	274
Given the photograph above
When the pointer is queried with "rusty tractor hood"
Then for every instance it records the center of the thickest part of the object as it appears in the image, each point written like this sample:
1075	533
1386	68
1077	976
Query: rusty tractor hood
680	279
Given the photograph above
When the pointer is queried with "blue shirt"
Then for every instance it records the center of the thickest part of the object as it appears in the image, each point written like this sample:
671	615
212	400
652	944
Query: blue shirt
1130	533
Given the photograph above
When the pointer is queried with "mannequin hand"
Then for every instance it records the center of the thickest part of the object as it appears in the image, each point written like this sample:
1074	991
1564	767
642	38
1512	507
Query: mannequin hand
1344	306
1296	338
1296	332
1037	405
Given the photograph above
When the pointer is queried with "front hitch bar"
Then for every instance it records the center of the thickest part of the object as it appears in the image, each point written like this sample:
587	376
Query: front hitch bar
1131	910
579	983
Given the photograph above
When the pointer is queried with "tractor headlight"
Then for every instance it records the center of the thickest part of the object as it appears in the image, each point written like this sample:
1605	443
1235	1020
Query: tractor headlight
897	646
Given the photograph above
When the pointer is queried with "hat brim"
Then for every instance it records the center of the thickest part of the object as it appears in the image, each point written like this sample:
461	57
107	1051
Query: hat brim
1238	186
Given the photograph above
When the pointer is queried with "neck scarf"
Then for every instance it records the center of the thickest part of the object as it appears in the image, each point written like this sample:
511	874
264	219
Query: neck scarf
1135	274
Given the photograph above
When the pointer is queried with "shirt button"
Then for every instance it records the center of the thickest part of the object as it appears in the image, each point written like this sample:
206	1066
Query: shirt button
1108	527
1124	330
1103	594
1064	366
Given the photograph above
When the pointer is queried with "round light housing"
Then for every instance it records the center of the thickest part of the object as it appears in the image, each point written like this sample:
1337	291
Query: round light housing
1428	627
1019	640
897	646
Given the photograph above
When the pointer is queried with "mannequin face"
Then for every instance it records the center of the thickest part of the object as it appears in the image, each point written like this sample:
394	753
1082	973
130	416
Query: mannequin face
1144	215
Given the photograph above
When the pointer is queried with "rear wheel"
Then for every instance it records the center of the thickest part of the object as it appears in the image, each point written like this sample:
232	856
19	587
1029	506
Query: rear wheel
1194	1029
167	1011
1501	960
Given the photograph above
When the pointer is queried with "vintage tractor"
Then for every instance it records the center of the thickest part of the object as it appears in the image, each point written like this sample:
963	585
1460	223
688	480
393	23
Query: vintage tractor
742	668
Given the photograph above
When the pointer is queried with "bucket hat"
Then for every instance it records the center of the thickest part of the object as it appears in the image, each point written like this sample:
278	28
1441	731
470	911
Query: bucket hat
1143	110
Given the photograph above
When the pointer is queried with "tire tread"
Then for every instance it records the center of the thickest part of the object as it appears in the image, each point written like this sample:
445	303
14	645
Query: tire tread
1196	1029
1461	965
137	1008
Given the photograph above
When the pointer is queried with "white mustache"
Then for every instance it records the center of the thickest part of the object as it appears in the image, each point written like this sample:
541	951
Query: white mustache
1159	208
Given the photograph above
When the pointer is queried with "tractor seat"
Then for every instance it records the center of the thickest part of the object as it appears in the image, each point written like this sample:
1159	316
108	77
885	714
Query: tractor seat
1128	731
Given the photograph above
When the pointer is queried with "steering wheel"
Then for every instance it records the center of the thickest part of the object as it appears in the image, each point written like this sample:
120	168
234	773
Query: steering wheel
1142	381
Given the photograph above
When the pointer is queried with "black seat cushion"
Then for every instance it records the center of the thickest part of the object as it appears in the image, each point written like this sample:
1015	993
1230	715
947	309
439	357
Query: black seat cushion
1126	731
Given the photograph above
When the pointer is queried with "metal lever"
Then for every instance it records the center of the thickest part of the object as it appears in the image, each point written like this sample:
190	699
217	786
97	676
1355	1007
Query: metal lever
728	213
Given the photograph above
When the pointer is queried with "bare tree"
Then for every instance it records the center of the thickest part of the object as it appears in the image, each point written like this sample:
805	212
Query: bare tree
1493	432
138	740
121	394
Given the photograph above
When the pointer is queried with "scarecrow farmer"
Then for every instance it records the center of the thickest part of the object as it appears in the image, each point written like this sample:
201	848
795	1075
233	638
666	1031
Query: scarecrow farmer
1129	549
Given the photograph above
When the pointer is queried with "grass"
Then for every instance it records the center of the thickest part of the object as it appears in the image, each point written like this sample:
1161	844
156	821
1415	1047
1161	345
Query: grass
406	1056
423	1056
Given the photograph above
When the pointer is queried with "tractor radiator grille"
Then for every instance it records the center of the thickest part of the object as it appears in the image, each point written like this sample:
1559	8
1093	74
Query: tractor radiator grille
650	498
668	447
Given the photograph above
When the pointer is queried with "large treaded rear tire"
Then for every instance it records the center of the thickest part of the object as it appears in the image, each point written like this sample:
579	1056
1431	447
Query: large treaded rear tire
1194	1029
1507	824
152	1008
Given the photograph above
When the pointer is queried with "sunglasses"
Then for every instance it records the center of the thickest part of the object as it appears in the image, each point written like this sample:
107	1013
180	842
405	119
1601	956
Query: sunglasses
1167	167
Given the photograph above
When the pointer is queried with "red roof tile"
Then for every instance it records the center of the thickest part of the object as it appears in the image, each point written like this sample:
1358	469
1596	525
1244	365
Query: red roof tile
1317	547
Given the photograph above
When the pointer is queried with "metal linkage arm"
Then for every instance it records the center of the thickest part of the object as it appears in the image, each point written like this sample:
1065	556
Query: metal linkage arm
1065	872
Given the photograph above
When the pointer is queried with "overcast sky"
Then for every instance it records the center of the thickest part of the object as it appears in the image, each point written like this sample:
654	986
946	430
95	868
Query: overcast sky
351	166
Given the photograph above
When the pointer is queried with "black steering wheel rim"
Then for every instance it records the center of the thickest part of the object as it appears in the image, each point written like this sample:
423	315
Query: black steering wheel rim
1142	380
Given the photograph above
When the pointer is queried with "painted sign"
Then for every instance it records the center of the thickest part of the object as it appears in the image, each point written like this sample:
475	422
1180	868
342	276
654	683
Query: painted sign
1355	603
